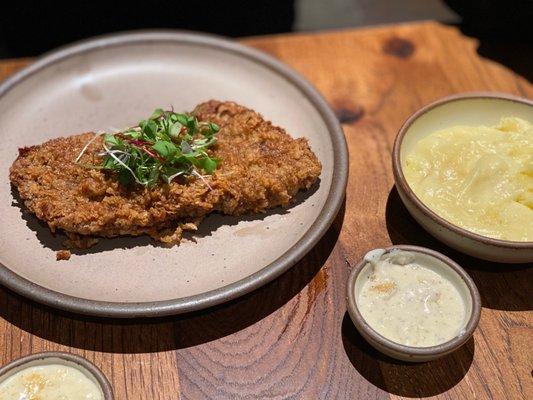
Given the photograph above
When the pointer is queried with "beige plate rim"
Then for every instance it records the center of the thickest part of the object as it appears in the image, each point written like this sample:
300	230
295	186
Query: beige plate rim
196	302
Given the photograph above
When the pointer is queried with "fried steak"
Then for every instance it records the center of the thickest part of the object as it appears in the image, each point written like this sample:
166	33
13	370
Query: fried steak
261	167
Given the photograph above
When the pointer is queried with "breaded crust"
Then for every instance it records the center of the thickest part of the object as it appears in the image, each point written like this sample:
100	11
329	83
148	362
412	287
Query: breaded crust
262	167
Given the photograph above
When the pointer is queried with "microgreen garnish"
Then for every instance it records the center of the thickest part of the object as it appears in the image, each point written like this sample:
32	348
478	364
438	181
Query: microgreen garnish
160	148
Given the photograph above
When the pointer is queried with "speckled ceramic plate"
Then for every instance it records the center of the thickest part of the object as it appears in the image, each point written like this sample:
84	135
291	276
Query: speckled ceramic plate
112	82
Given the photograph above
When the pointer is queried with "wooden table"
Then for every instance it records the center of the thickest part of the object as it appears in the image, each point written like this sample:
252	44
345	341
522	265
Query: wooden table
293	337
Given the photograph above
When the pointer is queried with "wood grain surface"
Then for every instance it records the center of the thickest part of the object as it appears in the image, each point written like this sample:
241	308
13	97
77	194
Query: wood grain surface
293	338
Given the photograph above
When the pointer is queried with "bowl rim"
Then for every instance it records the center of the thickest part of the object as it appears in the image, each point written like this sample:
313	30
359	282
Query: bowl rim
102	380
412	351
401	181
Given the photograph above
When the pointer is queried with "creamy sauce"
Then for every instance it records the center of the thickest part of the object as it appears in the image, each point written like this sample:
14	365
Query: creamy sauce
50	382
479	178
409	303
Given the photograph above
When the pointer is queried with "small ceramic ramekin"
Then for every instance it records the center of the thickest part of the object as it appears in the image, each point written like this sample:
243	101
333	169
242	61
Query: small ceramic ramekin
464	109
56	357
437	262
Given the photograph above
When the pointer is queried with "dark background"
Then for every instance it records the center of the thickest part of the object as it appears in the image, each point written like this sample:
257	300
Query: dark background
29	28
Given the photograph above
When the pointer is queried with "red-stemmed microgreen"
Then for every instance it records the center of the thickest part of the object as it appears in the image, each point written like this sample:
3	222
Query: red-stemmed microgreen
159	149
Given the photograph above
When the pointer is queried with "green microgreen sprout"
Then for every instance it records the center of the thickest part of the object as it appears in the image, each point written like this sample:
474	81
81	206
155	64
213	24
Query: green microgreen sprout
160	148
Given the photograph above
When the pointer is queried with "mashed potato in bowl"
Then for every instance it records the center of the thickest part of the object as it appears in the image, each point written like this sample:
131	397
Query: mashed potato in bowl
478	178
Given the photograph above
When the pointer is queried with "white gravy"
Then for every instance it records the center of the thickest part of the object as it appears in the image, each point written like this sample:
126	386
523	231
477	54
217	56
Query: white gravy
50	382
409	303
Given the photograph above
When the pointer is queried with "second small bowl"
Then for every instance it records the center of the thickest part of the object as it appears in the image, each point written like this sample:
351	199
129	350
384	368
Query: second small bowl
58	357
437	262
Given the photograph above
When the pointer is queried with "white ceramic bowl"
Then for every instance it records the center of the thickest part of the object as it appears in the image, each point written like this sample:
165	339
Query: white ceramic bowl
438	263
58	357
464	109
